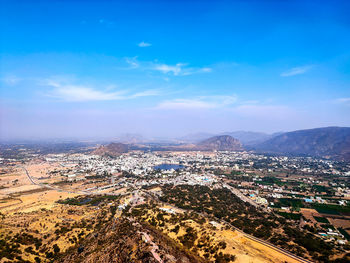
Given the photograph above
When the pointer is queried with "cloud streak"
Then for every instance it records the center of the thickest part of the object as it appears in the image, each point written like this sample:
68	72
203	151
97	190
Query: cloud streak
132	62
175	70
345	101
11	80
180	69
106	22
204	102
82	93
295	71
144	44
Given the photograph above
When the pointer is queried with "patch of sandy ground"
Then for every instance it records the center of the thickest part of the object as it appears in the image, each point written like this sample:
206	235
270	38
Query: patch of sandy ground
36	201
249	251
44	222
339	222
309	214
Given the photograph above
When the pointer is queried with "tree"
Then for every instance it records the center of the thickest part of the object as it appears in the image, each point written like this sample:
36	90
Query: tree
56	248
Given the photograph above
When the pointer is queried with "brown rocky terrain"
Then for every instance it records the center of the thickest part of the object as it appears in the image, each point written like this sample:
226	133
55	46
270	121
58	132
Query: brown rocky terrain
112	149
125	240
220	143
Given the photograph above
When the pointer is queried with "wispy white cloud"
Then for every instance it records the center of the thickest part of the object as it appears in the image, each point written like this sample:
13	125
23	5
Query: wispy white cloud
106	22
204	102
11	80
69	92
133	63
144	44
164	68
146	93
296	71
345	101
80	93
180	69
179	104
250	102
205	70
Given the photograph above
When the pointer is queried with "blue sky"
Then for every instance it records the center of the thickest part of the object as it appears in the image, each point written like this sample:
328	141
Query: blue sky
97	69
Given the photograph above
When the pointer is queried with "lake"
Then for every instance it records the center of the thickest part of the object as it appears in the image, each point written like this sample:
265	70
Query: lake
168	166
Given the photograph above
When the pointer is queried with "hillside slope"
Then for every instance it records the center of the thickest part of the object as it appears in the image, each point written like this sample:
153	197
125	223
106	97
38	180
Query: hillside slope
123	240
112	149
220	143
249	137
329	142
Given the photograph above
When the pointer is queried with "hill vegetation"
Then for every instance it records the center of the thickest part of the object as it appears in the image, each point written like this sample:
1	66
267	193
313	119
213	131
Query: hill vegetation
112	149
220	143
329	142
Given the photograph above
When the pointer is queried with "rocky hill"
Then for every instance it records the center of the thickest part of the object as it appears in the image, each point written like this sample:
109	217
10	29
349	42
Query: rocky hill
329	142
122	240
112	149
220	143
245	137
249	137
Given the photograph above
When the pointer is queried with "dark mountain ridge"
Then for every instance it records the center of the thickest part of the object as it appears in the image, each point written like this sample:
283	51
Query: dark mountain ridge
328	142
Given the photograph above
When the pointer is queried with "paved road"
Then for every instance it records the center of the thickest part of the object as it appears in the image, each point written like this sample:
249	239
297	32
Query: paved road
40	184
82	192
250	201
240	195
244	198
263	242
29	177
260	241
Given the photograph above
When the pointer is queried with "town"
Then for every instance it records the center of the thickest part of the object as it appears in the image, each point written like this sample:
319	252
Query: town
310	193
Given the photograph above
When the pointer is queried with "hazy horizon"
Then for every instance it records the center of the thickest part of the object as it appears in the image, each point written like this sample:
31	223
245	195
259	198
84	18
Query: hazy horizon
100	69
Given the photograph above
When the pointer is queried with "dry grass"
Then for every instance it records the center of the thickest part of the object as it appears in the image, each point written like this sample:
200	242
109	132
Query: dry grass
244	249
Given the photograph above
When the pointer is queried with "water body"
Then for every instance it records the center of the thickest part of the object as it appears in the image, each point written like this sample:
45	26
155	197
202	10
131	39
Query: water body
168	166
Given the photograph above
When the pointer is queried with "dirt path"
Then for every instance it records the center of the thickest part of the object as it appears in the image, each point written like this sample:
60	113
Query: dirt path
154	247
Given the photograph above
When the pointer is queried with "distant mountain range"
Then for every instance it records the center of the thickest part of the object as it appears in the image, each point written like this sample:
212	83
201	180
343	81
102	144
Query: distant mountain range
250	138
219	143
245	137
329	142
